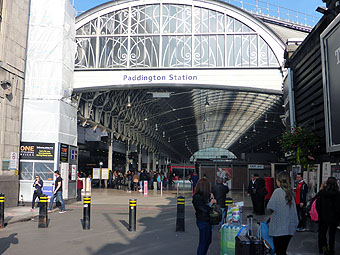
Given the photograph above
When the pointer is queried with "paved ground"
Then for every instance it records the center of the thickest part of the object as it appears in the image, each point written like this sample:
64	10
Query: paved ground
156	219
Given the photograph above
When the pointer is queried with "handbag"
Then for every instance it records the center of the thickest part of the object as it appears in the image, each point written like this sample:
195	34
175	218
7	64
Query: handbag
215	215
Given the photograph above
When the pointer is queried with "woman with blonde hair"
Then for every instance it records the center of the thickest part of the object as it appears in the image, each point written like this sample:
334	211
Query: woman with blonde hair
284	219
38	184
202	201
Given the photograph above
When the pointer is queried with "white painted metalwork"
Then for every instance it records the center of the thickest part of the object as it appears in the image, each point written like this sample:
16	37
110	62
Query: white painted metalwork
168	34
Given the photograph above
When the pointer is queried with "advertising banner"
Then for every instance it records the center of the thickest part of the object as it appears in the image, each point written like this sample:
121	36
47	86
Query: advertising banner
63	152
330	56
36	151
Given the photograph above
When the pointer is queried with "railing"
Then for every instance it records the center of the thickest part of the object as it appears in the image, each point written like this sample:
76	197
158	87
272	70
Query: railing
276	12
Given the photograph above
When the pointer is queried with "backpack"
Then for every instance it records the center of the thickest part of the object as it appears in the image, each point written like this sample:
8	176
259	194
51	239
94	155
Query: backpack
313	212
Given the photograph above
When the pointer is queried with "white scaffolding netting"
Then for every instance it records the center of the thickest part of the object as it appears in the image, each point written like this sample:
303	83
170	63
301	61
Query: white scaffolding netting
49	115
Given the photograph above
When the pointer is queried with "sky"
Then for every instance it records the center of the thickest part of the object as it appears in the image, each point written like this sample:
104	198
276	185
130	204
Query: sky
305	6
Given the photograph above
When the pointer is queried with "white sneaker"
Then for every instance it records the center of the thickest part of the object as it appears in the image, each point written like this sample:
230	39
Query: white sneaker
62	212
140	190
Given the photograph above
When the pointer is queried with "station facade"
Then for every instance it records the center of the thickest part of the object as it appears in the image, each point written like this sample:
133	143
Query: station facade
124	48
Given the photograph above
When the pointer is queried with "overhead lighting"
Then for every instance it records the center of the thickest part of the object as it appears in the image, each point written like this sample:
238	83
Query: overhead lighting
246	137
146	118
129	102
266	118
156	127
94	127
254	129
205	117
169	140
206	101
240	141
163	134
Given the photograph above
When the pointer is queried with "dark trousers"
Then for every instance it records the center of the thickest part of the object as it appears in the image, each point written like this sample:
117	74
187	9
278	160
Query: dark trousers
259	205
281	244
78	194
301	215
205	235
35	195
323	228
253	200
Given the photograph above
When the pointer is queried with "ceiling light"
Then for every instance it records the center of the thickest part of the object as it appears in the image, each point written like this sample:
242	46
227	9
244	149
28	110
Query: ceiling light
146	118
254	129
246	137
240	141
205	117
129	102
156	127
169	140
163	134
206	101
266	118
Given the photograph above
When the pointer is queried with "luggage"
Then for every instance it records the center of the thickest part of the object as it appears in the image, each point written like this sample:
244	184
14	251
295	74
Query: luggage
228	234
249	245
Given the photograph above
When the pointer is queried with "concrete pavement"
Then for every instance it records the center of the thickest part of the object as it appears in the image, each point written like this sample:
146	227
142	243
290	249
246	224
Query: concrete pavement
156	222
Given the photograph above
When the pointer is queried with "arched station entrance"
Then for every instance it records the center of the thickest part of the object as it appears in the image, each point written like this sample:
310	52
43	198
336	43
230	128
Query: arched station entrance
169	79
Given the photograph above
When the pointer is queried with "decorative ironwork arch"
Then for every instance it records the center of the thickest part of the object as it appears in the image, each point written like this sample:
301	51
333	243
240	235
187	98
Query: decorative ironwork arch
165	34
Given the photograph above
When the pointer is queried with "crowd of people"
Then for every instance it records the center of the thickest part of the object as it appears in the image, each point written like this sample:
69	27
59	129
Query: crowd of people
286	210
134	180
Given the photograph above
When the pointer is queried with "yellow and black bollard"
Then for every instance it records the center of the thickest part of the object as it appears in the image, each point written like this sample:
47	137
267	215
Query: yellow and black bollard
87	212
228	201
2	210
132	214
180	225
43	219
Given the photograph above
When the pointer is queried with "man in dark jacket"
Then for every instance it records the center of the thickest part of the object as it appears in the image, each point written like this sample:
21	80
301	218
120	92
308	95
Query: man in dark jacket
220	193
300	200
257	191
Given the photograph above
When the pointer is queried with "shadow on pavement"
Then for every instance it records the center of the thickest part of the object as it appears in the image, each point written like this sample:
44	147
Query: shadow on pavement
6	242
158	234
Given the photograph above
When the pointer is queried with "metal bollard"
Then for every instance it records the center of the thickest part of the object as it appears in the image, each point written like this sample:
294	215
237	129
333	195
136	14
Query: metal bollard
2	210
43	219
180	225
228	202
87	212
132	214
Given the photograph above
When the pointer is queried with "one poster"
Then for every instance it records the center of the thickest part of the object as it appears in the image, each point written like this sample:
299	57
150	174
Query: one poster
295	170
36	151
335	172
95	173
105	173
63	153
74	173
326	171
145	188
313	179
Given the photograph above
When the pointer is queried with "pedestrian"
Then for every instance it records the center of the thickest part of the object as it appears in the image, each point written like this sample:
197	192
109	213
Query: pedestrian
58	192
284	219
300	200
328	208
220	192
38	184
252	192
203	201
260	194
110	179
194	180
129	181
79	187
135	181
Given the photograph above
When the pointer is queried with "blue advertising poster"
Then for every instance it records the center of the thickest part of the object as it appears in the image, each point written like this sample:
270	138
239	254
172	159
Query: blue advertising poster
47	190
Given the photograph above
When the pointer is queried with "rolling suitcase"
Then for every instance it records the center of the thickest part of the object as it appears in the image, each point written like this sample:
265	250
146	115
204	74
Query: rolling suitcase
249	245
